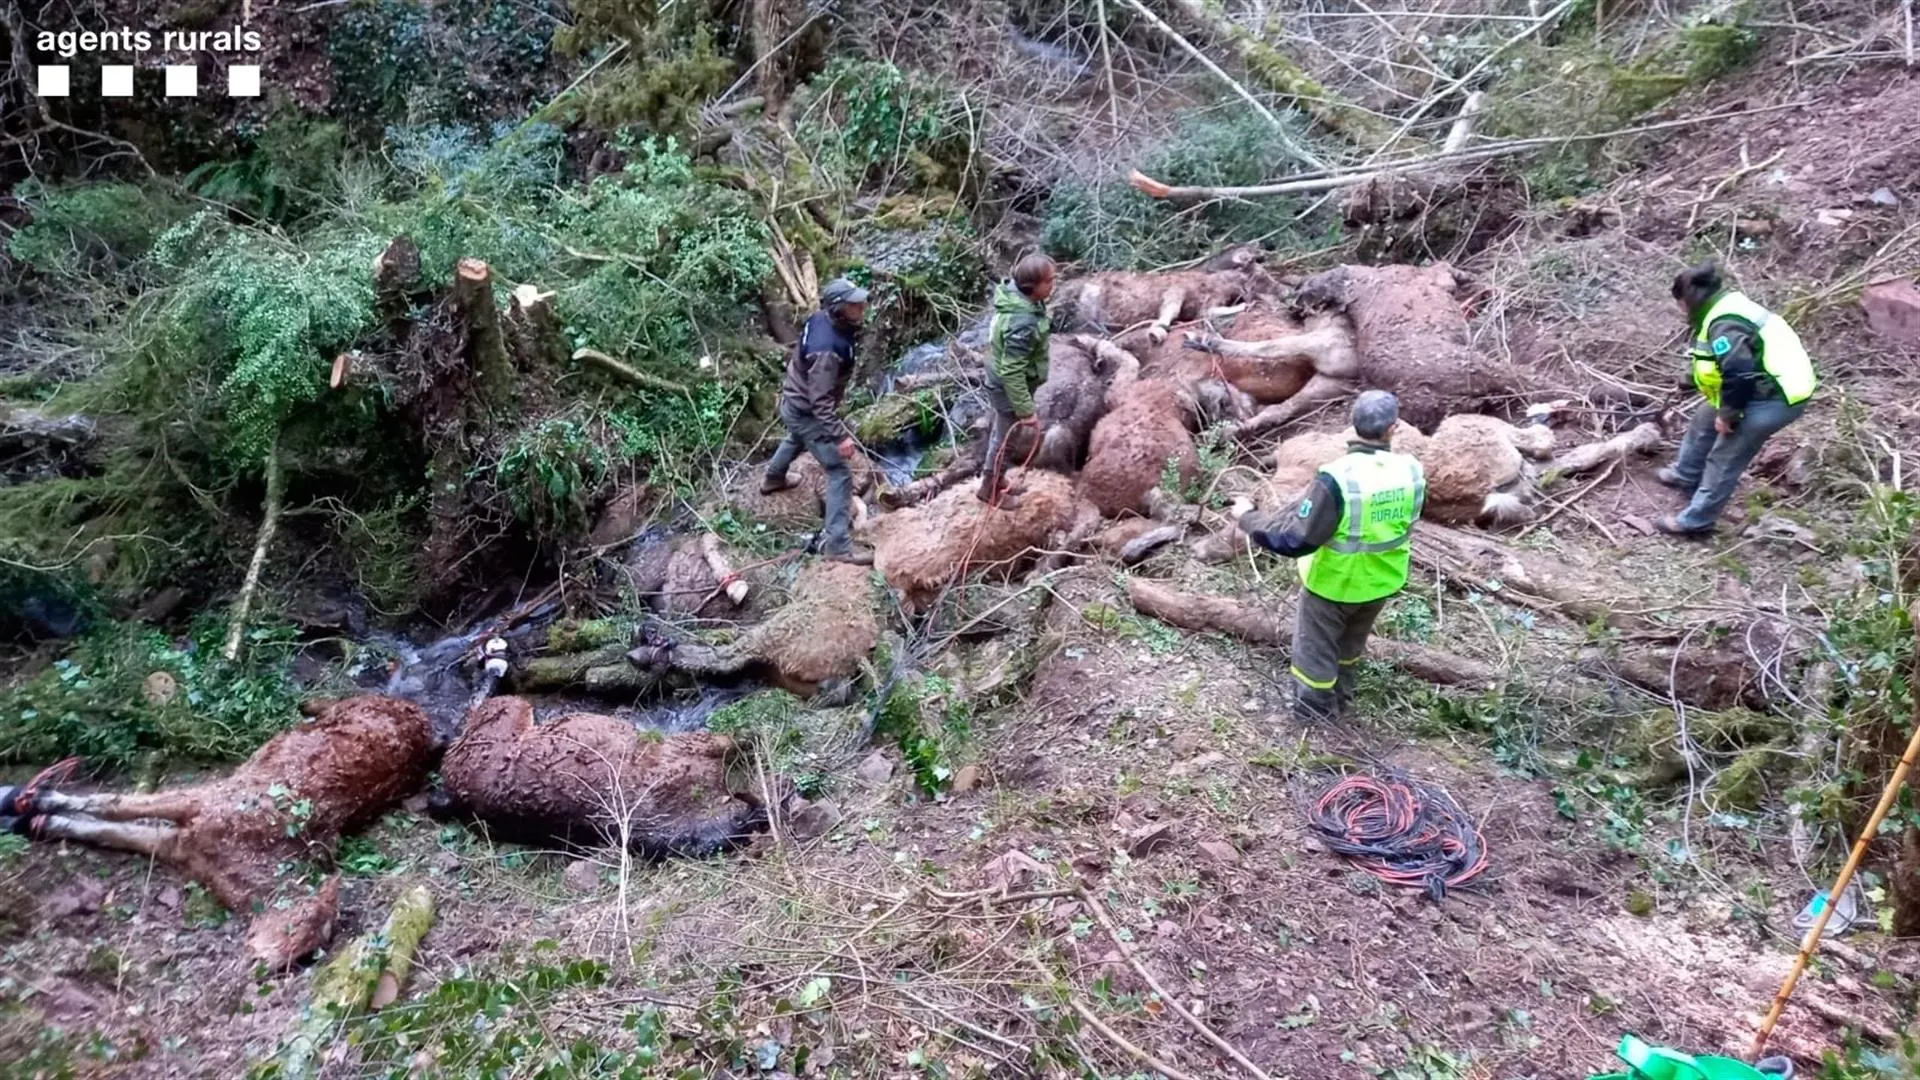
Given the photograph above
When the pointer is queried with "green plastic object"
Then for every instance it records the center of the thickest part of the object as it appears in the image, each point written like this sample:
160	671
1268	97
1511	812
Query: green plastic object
1648	1062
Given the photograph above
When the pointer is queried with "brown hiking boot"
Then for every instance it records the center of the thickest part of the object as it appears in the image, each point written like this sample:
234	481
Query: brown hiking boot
769	485
852	556
1669	477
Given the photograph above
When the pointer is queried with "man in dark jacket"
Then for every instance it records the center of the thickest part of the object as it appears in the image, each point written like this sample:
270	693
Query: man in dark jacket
1351	532
1016	365
816	380
1756	377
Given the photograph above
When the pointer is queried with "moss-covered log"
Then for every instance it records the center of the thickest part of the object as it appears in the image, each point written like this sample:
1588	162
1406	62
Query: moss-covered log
368	973
1279	73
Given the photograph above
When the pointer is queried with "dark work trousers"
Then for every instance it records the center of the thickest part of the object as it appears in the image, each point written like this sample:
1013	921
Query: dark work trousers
806	432
1711	463
994	467
1329	638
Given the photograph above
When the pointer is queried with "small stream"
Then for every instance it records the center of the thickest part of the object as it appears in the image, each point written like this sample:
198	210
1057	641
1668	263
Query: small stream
899	459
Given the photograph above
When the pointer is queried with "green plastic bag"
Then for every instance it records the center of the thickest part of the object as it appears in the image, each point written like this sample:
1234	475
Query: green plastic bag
1648	1062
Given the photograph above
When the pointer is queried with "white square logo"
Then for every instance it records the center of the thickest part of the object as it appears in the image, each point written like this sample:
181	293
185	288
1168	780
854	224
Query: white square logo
183	80
55	80
116	80
243	80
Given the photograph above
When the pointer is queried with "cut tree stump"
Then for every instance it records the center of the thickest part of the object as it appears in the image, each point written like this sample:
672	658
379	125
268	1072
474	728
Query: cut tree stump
534	333
492	365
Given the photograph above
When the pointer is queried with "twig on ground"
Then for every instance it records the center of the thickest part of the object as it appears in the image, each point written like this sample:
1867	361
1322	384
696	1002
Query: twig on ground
1172	1002
1569	500
1093	1021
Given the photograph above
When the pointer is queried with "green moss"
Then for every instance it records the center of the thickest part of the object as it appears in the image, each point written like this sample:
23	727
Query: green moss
895	415
1742	785
582	635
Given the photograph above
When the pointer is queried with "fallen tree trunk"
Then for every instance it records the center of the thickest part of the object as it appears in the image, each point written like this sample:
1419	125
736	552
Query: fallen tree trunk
602	670
1262	626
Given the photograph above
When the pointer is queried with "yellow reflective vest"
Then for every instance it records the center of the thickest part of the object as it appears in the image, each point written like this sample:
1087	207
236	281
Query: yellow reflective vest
1381	494
1778	350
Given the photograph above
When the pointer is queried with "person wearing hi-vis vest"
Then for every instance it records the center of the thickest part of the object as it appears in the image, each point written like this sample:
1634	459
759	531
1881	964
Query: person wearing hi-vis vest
1351	532
1756	377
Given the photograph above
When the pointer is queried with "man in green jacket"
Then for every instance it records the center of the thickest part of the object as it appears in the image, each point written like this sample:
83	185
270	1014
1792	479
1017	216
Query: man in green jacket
1016	365
1351	532
1756	377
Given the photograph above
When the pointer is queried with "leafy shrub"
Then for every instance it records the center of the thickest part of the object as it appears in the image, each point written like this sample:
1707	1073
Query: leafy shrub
1108	224
463	61
85	232
870	123
91	702
548	472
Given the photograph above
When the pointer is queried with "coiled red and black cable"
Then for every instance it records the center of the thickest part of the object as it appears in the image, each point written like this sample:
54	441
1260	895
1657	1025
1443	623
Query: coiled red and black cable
1401	831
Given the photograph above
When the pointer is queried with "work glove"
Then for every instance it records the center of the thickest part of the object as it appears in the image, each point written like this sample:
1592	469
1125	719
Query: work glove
1239	508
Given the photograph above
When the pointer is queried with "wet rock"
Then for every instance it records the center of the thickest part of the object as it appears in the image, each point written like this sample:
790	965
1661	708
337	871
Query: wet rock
1145	841
1893	310
811	820
581	876
966	779
877	769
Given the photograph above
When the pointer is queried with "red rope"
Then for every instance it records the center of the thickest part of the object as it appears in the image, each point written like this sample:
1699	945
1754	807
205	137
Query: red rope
1402	832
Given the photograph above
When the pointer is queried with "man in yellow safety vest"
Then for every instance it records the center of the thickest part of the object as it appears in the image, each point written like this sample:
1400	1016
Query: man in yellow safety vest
1351	532
1756	377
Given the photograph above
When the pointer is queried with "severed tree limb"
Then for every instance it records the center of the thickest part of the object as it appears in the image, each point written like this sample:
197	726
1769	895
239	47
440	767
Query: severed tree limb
1194	611
631	374
731	583
1319	181
269	523
1299	152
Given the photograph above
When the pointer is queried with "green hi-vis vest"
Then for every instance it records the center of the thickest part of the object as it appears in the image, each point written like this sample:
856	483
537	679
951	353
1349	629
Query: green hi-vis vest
1367	558
1781	354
